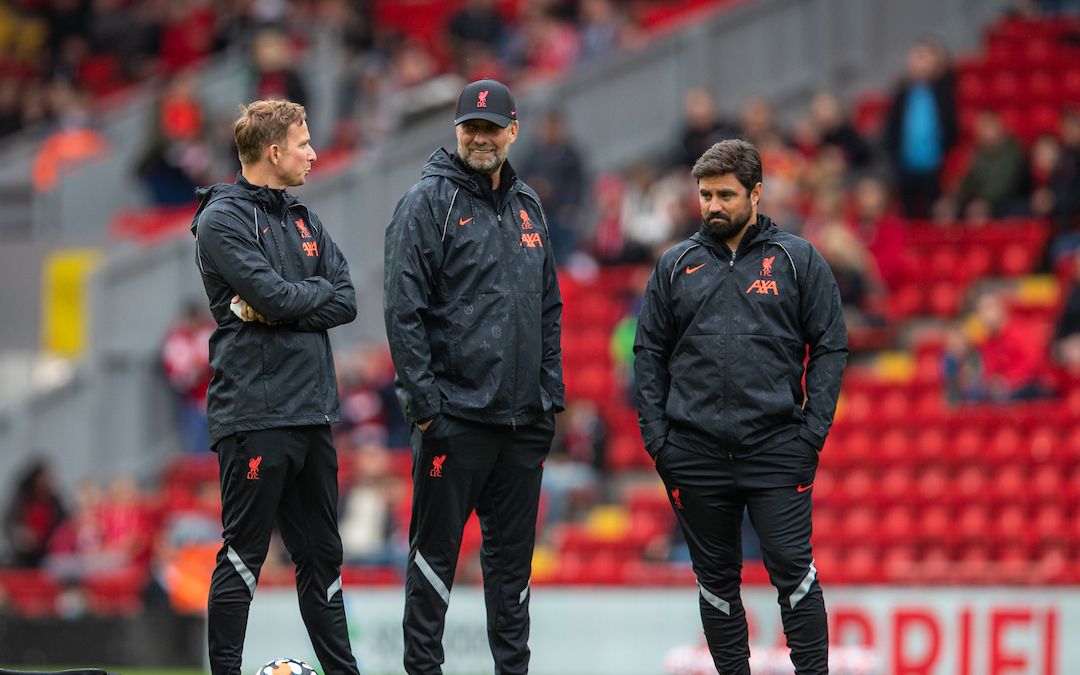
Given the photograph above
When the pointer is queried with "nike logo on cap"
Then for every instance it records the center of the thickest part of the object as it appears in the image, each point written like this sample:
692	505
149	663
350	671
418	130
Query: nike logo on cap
462	222
691	270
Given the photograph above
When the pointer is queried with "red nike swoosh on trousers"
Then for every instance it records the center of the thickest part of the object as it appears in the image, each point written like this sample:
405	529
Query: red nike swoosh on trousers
804	489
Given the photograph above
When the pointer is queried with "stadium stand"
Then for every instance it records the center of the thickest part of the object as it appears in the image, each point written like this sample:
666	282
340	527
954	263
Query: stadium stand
912	488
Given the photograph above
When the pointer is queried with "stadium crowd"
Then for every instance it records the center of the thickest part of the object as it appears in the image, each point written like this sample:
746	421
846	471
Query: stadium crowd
929	203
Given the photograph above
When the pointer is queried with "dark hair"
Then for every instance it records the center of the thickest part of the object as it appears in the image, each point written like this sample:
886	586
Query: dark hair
262	124
734	156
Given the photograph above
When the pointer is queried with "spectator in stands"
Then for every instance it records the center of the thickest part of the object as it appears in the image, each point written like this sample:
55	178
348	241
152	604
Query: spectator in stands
604	28
922	127
186	548
1012	358
186	34
125	522
1064	186
851	263
177	160
702	127
1044	160
622	337
9	105
372	532
830	128
652	213
574	470
1067	336
880	229
77	548
554	169
271	59
475	33
34	514
992	185
370	414
545	43
185	358
784	167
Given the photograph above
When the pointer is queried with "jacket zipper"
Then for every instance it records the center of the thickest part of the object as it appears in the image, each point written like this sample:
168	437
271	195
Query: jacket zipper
727	351
513	388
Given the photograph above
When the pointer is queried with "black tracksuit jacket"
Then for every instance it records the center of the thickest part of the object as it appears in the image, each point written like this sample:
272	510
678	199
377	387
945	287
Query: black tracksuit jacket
722	339
471	299
270	249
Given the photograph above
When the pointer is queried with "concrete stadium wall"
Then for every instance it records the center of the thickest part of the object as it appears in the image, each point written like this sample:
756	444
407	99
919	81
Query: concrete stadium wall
116	412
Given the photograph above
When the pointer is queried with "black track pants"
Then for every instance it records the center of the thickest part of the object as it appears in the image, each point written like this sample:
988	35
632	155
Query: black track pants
708	495
459	466
287	475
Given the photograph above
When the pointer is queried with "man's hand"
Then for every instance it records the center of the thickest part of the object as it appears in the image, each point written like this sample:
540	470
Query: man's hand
246	312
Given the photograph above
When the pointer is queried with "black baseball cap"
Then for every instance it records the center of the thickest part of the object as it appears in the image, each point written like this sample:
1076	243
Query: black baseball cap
486	100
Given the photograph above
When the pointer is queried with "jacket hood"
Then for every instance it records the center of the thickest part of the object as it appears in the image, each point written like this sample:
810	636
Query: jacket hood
443	165
273	201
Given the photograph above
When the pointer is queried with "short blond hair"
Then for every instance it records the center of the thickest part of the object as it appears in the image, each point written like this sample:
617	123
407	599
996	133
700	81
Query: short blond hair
262	124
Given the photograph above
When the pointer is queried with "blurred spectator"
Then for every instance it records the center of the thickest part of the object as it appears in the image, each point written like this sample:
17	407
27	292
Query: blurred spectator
851	263
1064	186
1012	359
960	367
77	548
34	514
370	414
829	127
130	30
271	59
621	347
992	185
413	89
922	127
475	33
1043	163
187	32
9	105
73	144
373	531
544	43
784	167
573	472
881	230
1067	336
702	127
651	213
185	552
185	358
554	170
125	522
604	28
178	160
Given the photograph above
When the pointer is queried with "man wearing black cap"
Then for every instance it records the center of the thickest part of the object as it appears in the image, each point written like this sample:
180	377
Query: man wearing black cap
472	311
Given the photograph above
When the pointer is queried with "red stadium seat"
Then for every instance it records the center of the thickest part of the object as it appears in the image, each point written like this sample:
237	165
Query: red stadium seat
116	594
31	592
1011	526
898	525
896	487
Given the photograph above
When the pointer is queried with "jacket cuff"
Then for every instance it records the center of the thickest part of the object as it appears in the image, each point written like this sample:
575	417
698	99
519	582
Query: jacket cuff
427	407
654	434
812	437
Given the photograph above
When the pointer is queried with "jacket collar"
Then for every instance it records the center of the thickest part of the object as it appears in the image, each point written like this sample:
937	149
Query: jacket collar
447	165
760	230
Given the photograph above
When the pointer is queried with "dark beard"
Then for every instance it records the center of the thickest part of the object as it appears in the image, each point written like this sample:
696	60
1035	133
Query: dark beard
726	229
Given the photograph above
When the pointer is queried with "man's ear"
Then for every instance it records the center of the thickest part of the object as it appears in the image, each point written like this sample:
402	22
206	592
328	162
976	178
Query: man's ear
755	194
273	153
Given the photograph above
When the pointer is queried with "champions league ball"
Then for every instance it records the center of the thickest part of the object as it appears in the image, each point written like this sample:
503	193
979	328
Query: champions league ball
286	667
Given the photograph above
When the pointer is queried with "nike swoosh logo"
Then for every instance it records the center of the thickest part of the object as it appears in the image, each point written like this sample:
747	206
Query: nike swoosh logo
804	489
691	270
462	222
265	229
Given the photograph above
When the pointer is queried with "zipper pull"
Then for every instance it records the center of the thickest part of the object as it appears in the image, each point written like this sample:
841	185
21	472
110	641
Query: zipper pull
731	263
513	423
731	458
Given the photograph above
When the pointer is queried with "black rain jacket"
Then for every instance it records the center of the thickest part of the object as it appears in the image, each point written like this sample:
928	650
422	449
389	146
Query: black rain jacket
471	299
722	339
267	247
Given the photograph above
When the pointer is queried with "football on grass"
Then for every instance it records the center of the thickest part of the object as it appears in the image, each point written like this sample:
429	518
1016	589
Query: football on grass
286	667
